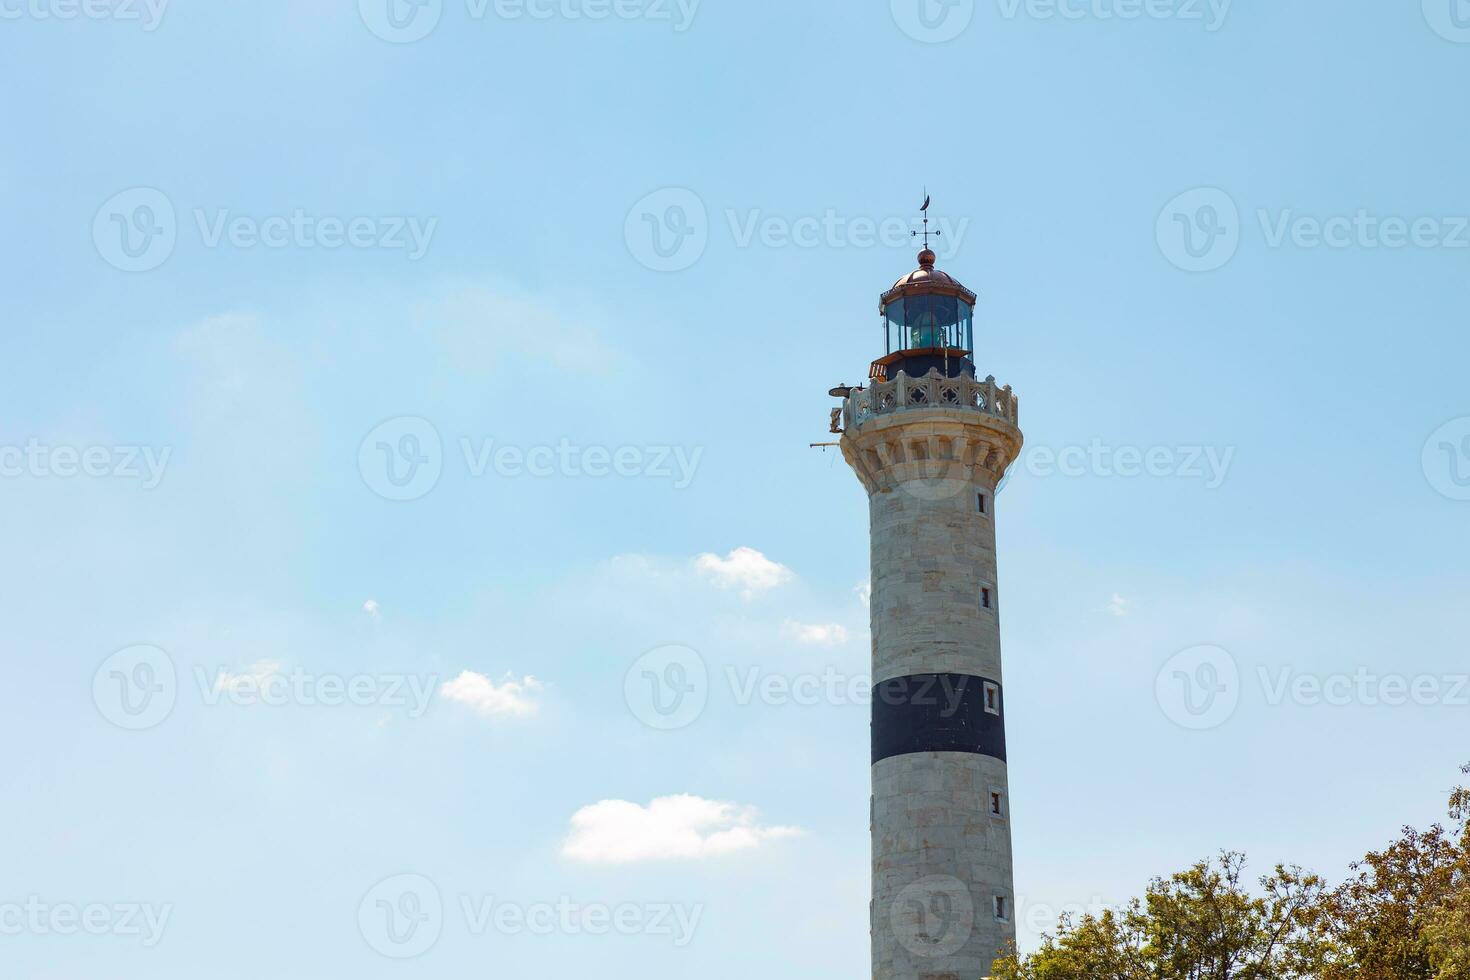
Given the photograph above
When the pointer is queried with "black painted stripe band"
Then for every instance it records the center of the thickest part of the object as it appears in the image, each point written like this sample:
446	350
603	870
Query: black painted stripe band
938	713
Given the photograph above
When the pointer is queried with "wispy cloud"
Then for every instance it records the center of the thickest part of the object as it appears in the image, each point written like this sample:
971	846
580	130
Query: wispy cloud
1117	606
745	569
816	634
670	828
509	698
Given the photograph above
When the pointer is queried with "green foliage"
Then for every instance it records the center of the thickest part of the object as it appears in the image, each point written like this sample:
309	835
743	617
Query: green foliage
1200	924
1403	915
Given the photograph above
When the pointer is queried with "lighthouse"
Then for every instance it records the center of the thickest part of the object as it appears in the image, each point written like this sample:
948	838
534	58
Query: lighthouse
930	442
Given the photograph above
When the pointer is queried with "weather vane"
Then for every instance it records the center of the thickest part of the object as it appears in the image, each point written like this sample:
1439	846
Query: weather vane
925	209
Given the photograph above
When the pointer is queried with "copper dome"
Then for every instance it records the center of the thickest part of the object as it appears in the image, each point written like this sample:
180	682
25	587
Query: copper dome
927	280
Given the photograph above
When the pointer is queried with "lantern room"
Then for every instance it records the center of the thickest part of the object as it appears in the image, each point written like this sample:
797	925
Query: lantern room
928	322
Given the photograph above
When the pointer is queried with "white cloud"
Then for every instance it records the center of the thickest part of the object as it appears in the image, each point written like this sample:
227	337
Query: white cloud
488	699
746	569
249	681
371	607
816	634
1117	606
864	590
671	828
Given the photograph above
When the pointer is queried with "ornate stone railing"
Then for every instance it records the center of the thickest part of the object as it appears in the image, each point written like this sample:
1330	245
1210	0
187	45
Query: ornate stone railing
904	393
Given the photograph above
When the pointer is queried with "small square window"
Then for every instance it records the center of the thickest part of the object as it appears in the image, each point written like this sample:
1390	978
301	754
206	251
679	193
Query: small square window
980	502
1002	908
992	698
985	598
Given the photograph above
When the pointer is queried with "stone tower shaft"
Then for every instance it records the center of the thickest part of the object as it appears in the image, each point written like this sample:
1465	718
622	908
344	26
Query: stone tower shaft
931	450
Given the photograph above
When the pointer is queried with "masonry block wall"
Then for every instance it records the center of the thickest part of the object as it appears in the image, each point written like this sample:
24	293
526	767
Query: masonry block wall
943	891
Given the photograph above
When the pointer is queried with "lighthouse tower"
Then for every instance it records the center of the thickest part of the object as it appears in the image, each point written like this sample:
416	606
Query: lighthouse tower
930	442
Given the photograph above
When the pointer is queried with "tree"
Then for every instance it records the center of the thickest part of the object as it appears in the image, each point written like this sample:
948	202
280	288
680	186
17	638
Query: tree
1200	924
1403	914
1447	936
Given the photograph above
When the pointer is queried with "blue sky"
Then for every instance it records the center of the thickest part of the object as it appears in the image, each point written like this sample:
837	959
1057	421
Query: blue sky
272	265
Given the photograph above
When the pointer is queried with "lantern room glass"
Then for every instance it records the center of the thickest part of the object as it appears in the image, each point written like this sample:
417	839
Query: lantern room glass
918	322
